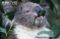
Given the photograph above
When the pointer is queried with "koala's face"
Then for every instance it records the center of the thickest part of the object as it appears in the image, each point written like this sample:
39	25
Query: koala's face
31	9
29	13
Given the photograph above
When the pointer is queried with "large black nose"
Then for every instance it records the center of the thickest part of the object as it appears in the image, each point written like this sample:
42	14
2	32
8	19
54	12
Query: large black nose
37	9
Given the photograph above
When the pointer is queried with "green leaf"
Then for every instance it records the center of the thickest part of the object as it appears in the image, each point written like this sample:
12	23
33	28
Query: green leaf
2	30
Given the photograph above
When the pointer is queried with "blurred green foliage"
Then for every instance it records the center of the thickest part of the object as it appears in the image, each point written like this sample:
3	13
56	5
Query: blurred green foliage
1	7
2	30
54	15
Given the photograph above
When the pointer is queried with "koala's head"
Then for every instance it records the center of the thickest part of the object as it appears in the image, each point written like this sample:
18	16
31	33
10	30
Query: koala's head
29	14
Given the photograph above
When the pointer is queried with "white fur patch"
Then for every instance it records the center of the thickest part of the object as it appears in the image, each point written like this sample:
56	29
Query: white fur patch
26	33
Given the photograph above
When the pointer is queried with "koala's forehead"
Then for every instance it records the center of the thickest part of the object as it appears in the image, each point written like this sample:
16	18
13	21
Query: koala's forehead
29	5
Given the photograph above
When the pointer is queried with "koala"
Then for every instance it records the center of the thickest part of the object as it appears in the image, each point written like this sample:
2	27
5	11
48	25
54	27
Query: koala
29	24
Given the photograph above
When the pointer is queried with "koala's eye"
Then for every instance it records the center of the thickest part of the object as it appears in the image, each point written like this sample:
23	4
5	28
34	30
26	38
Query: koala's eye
27	11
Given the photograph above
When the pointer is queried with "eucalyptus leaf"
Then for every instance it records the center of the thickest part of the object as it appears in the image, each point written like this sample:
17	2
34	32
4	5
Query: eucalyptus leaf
2	30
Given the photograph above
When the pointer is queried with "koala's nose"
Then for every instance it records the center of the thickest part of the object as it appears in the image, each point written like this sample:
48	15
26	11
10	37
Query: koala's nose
38	9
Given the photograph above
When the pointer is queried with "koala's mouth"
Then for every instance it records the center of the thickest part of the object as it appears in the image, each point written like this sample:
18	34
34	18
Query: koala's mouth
35	20
38	20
